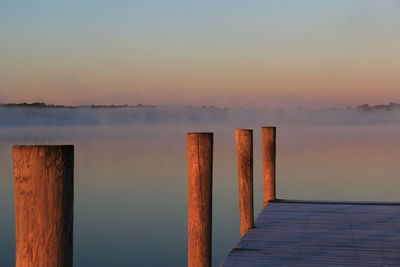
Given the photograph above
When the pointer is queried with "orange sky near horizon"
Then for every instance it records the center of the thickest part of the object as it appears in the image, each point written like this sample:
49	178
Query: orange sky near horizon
226	53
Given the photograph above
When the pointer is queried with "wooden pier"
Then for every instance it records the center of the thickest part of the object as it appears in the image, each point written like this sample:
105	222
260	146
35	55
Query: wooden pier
287	232
307	233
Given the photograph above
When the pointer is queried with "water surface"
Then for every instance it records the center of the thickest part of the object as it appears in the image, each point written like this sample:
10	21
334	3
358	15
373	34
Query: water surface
131	181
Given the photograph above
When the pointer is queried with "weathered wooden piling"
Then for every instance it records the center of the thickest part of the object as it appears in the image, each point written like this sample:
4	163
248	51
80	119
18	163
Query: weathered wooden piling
244	153
269	162
200	159
44	198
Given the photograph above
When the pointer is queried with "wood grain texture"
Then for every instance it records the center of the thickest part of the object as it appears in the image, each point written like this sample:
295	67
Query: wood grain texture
321	234
269	162
244	153
199	159
44	196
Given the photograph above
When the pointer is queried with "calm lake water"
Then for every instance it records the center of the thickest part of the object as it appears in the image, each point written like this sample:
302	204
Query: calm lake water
131	181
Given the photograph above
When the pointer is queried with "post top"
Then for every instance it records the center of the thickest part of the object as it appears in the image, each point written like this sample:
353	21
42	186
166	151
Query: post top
26	148
200	133
42	146
244	130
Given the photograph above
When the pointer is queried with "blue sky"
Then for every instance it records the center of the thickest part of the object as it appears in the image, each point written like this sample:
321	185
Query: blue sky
230	52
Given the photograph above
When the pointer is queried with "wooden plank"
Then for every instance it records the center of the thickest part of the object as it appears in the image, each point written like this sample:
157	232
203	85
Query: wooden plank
44	203
244	151
300	233
200	162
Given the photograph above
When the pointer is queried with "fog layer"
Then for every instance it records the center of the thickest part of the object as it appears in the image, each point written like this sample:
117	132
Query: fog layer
25	116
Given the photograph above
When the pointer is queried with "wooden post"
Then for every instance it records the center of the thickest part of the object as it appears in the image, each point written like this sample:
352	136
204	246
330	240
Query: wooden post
269	162
244	153
44	198
199	157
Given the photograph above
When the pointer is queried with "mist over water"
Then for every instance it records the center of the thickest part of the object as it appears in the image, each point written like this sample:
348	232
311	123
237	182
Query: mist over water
131	180
86	116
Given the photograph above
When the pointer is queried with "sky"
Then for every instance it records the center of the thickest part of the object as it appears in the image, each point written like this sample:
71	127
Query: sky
228	53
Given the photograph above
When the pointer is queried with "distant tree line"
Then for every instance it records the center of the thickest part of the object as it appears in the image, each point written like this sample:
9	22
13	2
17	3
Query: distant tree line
365	107
44	105
388	107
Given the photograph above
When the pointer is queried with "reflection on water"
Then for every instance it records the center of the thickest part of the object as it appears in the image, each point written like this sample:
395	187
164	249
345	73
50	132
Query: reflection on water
130	183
